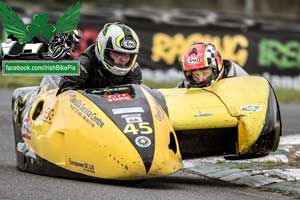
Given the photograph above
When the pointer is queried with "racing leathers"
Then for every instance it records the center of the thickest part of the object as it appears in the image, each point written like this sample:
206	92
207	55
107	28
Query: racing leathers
231	70
94	75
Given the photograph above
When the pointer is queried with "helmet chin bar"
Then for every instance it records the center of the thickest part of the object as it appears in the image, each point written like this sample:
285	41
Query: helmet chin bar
114	69
119	71
192	83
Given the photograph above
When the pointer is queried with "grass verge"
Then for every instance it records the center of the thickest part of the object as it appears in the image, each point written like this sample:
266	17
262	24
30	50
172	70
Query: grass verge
12	82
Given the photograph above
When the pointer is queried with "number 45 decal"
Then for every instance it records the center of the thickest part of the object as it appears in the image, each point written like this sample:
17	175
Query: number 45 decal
142	127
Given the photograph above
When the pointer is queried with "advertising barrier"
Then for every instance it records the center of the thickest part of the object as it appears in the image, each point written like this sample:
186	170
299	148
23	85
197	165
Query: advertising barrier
270	50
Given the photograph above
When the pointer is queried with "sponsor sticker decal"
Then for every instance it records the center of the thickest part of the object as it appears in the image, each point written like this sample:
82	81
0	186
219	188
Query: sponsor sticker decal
118	97
158	113
127	110
193	60
142	141
203	114
48	115
85	113
128	44
132	118
85	166
251	108
26	128
70	94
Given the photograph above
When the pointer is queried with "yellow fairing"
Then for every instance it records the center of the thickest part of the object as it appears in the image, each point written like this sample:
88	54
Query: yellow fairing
251	91
196	108
94	145
163	156
222	105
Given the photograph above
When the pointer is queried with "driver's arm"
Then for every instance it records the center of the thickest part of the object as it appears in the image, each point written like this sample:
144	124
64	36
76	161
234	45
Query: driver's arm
134	76
76	82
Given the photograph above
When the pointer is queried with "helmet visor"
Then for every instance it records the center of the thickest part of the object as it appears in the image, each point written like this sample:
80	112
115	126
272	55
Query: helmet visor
120	60
200	77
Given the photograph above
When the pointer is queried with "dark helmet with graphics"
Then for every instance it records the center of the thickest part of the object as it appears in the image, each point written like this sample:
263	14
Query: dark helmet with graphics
121	39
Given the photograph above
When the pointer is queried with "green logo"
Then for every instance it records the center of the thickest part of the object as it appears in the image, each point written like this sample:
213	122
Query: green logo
283	55
40	28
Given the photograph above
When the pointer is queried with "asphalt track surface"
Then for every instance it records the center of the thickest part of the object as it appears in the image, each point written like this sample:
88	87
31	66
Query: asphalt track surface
15	184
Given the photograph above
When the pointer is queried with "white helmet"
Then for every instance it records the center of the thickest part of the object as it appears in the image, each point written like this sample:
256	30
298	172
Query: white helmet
118	38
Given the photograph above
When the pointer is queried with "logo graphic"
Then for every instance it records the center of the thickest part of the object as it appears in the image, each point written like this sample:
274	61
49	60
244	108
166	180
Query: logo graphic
143	141
48	115
193	60
203	114
117	111
26	128
251	108
128	44
158	114
39	28
132	118
118	97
